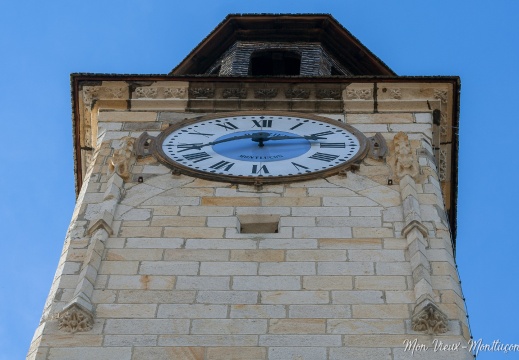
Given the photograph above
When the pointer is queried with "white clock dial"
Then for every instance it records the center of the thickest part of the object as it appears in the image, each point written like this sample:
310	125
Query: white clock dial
273	147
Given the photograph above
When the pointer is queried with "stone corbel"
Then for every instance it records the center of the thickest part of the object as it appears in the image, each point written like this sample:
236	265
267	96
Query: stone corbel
75	318
122	158
143	147
429	318
377	147
406	163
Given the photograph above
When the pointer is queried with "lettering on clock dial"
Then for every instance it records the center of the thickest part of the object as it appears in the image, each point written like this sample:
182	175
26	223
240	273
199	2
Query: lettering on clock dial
228	126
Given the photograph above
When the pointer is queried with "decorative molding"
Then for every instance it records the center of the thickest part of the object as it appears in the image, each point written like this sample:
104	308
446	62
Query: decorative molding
266	93
441	95
234	93
202	93
430	320
175	93
443	125
415	224
328	94
297	93
146	92
122	158
442	170
406	163
360	94
75	319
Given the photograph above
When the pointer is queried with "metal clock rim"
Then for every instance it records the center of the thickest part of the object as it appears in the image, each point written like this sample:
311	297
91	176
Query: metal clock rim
165	160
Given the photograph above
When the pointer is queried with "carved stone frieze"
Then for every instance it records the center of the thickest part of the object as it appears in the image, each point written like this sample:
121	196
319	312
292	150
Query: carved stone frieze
146	92
297	93
442	170
430	320
395	94
361	94
441	95
114	92
331	94
443	125
201	93
406	163
266	93
234	93
122	158
175	93
75	319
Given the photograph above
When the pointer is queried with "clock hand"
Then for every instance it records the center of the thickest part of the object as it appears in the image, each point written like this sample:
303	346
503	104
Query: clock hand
199	146
306	137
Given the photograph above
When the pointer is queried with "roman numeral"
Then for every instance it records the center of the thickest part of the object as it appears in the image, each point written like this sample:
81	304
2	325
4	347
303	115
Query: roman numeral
299	166
324	133
197	157
259	169
186	147
323	157
262	123
222	164
228	126
332	145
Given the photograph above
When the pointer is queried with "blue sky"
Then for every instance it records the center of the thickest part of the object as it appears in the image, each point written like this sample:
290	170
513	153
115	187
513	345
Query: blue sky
41	43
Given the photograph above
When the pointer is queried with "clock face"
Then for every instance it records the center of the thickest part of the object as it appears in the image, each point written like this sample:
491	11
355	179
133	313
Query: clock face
275	148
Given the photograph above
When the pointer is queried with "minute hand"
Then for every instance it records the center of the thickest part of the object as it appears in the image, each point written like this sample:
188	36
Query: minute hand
306	137
200	145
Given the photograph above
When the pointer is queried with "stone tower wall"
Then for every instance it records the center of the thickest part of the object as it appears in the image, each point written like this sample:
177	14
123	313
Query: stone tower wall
155	266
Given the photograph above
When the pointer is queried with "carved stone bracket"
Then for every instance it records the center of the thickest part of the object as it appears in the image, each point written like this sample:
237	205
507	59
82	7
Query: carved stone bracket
75	318
430	319
144	145
377	147
122	158
406	163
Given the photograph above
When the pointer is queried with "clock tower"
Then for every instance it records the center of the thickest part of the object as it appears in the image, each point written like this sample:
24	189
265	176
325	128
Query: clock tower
280	194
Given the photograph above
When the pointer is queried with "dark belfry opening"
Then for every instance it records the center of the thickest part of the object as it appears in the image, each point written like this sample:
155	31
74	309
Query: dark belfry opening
275	62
